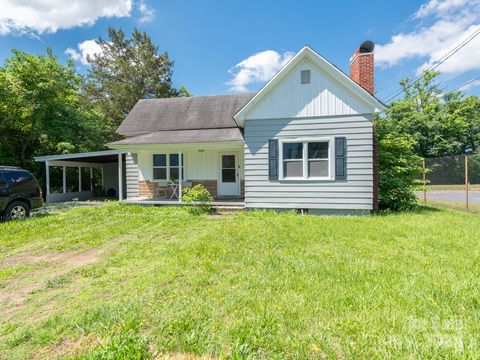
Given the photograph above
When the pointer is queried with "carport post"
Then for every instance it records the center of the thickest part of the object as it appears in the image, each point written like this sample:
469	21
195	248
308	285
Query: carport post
47	179
120	177
64	179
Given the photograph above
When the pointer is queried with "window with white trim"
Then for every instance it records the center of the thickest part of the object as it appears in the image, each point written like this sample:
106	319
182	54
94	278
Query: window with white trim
174	167
159	166
306	159
166	167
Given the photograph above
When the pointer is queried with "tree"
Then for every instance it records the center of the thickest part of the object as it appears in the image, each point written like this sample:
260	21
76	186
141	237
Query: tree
399	167
41	110
440	124
126	70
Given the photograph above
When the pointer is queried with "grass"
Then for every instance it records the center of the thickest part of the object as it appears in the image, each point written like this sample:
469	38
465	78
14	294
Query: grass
472	187
254	285
454	205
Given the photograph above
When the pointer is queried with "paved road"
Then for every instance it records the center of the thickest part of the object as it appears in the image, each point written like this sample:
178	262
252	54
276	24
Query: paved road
452	195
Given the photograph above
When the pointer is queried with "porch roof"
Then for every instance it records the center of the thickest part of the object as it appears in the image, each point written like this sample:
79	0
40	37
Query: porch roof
183	136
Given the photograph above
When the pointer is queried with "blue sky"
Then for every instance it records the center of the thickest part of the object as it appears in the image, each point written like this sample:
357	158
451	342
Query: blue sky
208	39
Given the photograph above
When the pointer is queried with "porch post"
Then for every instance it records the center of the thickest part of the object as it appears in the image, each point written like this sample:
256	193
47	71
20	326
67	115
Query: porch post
180	177
79	179
120	177
47	180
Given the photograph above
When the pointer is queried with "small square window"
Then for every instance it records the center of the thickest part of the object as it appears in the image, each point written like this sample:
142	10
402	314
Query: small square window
305	76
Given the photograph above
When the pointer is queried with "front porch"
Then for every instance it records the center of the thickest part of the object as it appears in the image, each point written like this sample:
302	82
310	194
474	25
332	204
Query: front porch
157	174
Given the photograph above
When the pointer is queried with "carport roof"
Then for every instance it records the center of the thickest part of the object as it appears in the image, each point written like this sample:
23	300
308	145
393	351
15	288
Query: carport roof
94	156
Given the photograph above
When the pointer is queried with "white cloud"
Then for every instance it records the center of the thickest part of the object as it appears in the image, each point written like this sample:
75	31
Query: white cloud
146	12
439	7
256	68
85	49
48	16
451	22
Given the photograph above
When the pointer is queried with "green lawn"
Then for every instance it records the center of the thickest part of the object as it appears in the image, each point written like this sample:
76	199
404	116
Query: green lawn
129	282
454	205
472	187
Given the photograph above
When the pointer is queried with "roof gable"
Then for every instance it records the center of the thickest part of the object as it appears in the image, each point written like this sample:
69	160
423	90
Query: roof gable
331	92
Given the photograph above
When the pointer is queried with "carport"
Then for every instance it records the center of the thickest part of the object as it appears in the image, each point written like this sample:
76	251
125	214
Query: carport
84	176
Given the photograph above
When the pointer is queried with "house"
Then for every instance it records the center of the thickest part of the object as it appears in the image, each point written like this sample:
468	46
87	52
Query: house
304	141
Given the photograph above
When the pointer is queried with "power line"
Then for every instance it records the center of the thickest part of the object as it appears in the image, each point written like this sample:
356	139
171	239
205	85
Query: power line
464	84
444	58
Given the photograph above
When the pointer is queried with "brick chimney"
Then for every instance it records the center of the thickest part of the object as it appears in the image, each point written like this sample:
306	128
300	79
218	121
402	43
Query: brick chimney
361	66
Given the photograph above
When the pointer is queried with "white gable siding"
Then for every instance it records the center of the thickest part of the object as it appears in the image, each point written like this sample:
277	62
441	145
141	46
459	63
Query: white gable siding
356	193
324	96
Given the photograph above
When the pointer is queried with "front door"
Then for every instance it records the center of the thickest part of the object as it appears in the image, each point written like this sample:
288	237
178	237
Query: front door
228	184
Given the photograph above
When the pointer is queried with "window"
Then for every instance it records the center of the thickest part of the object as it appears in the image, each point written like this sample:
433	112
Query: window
309	159
305	76
174	166
159	167
167	167
318	159
292	160
229	171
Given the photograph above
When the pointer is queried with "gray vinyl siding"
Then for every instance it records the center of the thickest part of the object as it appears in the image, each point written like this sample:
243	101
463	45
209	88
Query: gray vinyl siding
131	172
356	193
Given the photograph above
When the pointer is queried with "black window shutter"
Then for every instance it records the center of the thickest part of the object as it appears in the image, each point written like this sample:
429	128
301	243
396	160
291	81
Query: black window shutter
341	158
273	159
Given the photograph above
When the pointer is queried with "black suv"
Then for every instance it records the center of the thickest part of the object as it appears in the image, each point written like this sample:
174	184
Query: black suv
19	193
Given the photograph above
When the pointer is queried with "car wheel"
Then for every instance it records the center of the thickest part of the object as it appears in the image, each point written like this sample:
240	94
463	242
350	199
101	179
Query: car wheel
17	210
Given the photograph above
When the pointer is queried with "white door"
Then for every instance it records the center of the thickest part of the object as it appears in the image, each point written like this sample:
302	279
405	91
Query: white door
228	184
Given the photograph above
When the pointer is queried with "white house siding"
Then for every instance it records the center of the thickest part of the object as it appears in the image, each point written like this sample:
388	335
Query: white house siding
201	163
356	193
324	96
131	174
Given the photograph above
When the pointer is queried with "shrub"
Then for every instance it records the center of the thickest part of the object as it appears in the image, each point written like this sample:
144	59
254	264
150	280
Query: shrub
199	197
399	168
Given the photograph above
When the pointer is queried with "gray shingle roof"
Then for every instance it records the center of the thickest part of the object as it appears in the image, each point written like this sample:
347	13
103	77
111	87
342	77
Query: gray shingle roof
183	136
197	112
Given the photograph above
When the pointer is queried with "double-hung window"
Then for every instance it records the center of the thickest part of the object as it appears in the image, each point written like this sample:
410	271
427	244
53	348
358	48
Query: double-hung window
166	167
174	166
293	160
159	167
307	159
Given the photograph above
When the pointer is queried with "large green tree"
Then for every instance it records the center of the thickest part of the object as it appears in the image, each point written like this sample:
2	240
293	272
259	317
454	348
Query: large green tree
126	70
42	111
441	124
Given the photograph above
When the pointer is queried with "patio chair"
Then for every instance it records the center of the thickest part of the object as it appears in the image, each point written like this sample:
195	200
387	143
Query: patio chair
162	191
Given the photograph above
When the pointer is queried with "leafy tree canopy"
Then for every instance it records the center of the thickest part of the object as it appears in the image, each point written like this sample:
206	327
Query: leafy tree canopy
126	70
440	124
41	110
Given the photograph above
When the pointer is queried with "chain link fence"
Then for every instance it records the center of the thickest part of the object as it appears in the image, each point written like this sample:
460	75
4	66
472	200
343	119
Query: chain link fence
452	181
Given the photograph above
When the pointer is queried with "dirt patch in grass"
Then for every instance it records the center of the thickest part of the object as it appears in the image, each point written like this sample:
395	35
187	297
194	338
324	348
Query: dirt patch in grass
73	258
70	347
64	263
